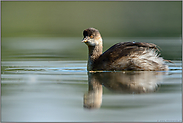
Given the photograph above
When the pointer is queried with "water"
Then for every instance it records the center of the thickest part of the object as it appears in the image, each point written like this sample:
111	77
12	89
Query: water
41	87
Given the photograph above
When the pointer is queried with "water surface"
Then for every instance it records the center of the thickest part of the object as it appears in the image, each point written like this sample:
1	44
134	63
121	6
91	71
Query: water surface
39	83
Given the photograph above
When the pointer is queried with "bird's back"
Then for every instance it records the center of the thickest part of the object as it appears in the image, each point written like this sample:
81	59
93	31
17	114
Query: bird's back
131	56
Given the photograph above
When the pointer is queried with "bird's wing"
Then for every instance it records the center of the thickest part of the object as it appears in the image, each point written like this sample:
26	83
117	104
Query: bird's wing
122	49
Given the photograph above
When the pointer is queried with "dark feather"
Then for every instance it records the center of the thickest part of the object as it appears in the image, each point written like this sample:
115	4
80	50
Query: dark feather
120	50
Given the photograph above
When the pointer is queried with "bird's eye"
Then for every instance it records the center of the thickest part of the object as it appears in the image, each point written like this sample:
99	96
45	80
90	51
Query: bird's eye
91	36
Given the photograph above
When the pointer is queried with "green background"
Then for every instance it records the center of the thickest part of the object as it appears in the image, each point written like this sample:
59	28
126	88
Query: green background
52	30
113	19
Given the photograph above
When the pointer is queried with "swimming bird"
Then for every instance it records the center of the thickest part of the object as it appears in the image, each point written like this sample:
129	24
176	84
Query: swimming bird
137	56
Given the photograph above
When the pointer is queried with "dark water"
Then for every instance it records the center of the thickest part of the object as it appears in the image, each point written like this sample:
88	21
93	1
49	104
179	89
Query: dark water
41	80
56	48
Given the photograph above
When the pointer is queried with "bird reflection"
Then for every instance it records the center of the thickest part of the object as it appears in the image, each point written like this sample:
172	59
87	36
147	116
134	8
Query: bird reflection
121	82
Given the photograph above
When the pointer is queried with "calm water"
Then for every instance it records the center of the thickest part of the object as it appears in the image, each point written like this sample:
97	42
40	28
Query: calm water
39	83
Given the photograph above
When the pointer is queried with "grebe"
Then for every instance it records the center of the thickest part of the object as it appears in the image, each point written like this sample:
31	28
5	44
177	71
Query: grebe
121	56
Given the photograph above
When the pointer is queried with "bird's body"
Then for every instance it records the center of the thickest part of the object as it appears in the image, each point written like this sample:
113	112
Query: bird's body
121	56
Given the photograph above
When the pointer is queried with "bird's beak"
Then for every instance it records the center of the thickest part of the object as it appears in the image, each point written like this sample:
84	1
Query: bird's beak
85	40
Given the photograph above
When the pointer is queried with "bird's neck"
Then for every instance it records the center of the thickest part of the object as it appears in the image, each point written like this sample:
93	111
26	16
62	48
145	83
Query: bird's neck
94	54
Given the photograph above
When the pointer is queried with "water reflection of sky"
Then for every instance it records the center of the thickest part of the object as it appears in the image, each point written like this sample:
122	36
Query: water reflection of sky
55	91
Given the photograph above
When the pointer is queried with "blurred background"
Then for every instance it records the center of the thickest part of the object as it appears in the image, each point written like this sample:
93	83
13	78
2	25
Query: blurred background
53	29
